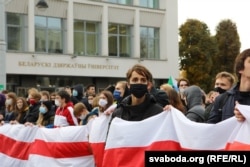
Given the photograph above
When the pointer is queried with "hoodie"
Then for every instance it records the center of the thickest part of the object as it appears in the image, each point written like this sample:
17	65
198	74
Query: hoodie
79	89
195	108
80	98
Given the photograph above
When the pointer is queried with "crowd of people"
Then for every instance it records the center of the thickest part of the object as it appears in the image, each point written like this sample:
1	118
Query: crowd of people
133	99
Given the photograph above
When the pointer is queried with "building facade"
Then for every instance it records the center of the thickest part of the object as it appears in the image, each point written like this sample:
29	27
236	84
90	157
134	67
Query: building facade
87	41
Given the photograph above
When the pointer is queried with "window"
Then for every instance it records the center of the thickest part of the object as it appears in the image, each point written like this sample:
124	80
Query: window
86	38
149	43
48	35
150	3
124	2
16	32
119	40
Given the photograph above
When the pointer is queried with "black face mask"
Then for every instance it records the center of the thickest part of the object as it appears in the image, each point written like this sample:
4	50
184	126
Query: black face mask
138	90
53	102
219	90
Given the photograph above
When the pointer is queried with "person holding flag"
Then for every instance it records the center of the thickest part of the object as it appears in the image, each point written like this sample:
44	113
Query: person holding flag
140	104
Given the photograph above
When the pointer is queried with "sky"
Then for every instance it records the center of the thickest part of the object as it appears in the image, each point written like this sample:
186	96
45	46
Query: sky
212	12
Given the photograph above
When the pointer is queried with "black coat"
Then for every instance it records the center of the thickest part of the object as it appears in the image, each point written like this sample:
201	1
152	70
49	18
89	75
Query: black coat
227	111
33	113
9	116
160	96
139	112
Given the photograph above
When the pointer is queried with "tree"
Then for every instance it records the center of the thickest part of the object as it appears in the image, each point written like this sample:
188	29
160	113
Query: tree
228	42
196	49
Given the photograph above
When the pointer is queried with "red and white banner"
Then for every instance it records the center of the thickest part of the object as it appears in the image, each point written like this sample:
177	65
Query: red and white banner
39	147
126	142
15	144
98	136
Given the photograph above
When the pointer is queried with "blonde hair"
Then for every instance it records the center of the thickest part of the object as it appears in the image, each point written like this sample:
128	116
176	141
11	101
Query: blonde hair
166	87
45	93
95	101
230	77
35	94
40	119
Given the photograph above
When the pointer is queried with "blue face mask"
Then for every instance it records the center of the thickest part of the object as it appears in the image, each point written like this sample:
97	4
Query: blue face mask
117	94
74	93
42	110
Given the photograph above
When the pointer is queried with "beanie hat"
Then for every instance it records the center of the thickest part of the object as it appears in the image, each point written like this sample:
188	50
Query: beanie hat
48	104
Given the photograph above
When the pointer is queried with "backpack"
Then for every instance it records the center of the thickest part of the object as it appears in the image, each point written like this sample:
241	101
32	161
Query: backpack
222	101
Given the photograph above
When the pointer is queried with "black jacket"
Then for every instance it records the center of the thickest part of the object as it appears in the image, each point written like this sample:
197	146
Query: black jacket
79	98
139	112
227	111
160	96
33	113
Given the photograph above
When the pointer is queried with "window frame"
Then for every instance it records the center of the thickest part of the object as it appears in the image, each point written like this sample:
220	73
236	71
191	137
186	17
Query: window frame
154	4
121	2
22	32
118	36
47	30
150	52
85	34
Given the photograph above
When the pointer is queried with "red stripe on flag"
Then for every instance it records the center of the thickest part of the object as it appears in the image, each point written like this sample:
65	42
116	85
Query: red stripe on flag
14	148
98	153
134	156
60	149
237	146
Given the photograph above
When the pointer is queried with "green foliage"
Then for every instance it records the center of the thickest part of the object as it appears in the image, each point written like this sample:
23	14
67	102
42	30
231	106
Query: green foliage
196	51
202	56
228	42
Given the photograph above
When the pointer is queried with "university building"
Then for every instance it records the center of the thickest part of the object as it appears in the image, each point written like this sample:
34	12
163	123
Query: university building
87	41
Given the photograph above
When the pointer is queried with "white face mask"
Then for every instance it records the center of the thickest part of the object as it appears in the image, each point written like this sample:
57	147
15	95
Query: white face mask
181	90
57	103
8	102
90	101
82	117
103	102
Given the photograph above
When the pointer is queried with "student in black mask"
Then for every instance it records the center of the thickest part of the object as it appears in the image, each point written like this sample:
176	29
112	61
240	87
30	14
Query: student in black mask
223	82
139	104
240	93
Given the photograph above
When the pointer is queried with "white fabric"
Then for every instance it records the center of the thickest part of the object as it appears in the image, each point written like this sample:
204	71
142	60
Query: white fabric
173	125
167	126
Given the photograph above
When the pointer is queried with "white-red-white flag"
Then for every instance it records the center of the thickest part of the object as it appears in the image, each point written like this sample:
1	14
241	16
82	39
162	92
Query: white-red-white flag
39	147
16	141
127	141
98	136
